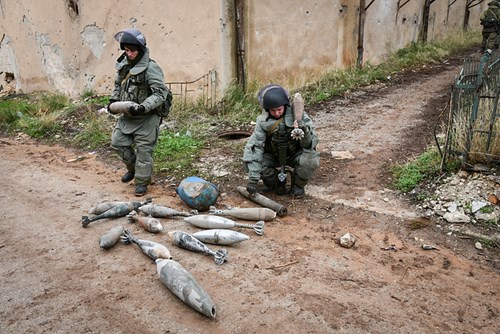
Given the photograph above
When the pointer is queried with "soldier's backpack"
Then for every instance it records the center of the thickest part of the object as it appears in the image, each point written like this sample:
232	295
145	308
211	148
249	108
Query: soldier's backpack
167	104
489	19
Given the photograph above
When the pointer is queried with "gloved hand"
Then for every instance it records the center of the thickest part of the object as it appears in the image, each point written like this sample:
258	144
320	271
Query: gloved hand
137	110
252	187
300	124
306	141
109	109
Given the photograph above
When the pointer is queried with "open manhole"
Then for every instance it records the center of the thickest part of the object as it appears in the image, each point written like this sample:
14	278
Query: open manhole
234	135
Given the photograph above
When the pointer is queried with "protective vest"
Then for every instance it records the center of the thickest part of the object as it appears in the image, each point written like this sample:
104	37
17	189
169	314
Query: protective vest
142	83
490	18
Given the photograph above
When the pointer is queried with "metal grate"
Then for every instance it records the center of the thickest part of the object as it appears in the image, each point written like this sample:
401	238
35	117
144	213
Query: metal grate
473	133
204	89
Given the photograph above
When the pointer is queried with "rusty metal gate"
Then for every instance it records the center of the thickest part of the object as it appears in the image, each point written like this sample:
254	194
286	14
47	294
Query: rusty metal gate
473	132
204	89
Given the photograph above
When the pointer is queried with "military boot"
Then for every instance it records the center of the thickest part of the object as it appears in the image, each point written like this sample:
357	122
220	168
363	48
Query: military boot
298	192
128	176
298	186
141	190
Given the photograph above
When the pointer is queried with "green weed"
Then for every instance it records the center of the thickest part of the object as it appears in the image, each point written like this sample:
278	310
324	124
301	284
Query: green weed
338	82
95	134
12	110
487	209
175	153
44	126
408	176
50	102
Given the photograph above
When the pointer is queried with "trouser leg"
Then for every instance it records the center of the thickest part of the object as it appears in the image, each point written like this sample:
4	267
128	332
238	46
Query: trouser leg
145	144
305	167
122	144
144	166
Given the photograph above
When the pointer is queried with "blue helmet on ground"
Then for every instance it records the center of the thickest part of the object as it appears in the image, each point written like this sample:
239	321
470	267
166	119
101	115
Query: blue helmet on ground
198	193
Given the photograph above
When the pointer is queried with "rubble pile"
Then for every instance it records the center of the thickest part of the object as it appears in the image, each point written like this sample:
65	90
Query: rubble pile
470	199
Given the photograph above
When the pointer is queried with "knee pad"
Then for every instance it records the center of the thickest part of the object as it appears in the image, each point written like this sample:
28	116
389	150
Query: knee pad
307	164
126	153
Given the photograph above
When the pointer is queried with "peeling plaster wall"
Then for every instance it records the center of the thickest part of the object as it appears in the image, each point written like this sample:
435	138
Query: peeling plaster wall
7	56
57	49
68	45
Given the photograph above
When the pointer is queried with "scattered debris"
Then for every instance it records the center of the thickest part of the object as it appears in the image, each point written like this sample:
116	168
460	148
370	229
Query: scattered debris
282	265
342	155
78	158
466	203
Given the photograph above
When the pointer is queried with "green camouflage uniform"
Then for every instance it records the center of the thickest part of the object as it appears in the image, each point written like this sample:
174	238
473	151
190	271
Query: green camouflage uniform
261	153
490	32
145	85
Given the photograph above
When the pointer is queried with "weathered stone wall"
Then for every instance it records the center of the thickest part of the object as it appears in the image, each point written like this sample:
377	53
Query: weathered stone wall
68	45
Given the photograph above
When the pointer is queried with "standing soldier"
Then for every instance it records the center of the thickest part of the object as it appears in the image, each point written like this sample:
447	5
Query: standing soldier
490	20
139	79
284	135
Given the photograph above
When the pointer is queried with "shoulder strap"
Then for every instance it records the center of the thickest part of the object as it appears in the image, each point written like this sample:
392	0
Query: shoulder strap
125	78
489	10
274	126
492	12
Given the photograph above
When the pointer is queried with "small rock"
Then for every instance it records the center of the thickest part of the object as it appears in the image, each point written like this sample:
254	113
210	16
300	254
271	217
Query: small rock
440	213
478	245
487	217
456	217
347	240
452	207
493	199
477	205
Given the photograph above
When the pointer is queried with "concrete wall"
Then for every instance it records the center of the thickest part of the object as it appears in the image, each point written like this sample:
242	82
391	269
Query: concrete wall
48	46
301	40
68	45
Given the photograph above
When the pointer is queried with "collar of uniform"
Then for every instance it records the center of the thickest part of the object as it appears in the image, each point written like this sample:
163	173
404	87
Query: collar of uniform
139	67
288	117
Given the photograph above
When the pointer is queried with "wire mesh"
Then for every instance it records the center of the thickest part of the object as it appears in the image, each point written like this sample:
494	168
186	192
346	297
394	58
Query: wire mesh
473	133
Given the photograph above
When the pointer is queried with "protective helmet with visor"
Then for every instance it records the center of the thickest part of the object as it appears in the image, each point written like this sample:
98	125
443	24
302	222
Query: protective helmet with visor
273	96
131	36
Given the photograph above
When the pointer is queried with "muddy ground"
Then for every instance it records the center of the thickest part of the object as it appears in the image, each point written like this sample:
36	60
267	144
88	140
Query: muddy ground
295	278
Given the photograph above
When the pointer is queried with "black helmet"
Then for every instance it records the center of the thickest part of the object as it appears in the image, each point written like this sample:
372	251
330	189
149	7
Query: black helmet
273	96
130	36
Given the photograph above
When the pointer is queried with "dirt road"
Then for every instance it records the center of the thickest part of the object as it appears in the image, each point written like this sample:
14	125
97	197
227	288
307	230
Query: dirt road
293	279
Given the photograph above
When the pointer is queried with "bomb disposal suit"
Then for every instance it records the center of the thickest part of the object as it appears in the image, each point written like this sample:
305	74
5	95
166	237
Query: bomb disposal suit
271	145
139	81
490	20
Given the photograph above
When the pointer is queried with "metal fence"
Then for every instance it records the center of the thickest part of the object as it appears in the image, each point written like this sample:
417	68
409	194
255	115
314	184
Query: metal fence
203	89
473	132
